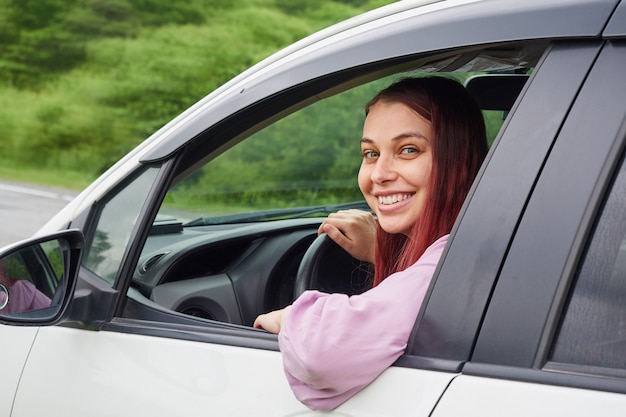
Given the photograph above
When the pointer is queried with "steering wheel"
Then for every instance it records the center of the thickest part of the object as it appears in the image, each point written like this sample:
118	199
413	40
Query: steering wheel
327	267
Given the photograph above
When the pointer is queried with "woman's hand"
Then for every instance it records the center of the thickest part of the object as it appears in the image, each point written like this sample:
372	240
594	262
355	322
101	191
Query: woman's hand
272	321
353	230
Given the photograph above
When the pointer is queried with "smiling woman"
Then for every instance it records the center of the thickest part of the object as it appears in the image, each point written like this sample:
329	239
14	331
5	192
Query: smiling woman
423	143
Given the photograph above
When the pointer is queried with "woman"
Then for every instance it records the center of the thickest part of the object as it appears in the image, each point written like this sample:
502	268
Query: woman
423	143
19	295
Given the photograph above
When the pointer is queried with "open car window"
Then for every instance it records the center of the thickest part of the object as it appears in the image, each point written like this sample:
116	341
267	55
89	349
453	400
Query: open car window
302	165
235	222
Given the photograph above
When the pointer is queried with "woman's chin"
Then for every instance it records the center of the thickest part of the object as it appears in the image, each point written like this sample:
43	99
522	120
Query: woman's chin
394	227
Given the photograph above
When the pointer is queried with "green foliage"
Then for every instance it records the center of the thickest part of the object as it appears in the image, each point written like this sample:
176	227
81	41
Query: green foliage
327	12
159	12
45	38
308	7
54	254
84	81
35	14
15	268
33	57
102	18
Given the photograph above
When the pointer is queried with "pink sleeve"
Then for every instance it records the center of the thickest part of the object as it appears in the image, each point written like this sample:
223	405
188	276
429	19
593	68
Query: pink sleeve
24	296
334	345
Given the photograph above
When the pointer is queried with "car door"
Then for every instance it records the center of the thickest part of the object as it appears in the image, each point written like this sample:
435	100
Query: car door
16	343
552	341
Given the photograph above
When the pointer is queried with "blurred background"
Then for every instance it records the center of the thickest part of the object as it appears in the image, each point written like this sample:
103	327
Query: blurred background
84	81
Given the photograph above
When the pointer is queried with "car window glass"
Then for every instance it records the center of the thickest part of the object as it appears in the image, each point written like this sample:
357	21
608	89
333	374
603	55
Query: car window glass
593	330
115	222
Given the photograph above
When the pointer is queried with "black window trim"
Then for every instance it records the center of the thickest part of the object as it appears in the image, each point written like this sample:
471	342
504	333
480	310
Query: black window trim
480	240
530	363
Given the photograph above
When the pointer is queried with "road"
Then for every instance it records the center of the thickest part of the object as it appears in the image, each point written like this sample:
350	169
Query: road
24	208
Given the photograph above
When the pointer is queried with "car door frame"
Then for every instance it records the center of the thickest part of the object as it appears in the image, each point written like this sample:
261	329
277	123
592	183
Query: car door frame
481	237
529	299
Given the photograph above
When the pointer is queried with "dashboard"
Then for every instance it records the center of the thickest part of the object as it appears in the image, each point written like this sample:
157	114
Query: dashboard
228	273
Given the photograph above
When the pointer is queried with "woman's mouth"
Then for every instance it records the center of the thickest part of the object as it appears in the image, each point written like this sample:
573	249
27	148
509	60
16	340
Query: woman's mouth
387	200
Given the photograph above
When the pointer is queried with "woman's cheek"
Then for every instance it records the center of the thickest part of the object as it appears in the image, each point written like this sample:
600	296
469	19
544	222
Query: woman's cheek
363	180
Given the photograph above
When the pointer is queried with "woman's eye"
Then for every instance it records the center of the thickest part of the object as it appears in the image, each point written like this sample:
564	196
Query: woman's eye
370	154
409	150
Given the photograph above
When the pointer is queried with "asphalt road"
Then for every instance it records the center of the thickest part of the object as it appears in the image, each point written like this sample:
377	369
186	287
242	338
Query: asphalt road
24	208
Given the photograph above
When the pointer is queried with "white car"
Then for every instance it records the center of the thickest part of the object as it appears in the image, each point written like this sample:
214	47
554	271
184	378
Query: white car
155	272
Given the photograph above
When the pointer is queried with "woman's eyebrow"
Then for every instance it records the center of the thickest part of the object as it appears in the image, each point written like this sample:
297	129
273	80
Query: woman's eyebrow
411	134
399	137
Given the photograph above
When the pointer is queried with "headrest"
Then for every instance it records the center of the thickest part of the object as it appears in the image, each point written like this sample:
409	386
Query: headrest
496	91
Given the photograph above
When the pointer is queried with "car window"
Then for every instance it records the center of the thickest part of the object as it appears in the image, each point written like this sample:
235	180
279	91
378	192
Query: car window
300	168
593	330
242	210
304	165
114	223
304	160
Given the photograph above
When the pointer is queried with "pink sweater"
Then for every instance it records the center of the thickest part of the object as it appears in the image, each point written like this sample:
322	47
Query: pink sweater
23	296
334	345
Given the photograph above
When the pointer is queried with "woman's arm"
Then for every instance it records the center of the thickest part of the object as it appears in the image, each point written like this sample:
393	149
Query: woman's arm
334	345
272	321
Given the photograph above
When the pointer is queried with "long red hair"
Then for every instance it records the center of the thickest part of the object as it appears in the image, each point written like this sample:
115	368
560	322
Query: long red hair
459	147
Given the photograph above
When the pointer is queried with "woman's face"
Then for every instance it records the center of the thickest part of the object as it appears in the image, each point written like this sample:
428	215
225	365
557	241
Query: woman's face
397	148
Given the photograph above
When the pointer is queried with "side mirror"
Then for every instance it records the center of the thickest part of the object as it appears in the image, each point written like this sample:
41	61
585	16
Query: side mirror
37	278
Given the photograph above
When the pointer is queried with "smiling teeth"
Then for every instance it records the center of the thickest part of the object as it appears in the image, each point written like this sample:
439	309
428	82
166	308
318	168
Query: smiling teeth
392	199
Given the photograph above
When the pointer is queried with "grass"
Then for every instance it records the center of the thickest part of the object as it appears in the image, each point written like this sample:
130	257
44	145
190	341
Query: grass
69	180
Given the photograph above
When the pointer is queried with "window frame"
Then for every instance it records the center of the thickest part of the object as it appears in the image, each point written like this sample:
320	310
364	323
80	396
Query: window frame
458	298
213	142
526	306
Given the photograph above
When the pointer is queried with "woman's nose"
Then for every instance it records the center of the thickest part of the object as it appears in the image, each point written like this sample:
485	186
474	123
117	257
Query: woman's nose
384	170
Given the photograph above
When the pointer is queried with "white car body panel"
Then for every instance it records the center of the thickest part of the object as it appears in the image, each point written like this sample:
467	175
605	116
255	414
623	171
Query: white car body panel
471	396
143	375
14	349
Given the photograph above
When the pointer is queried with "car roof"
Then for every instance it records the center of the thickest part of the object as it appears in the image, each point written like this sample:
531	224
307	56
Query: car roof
398	30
